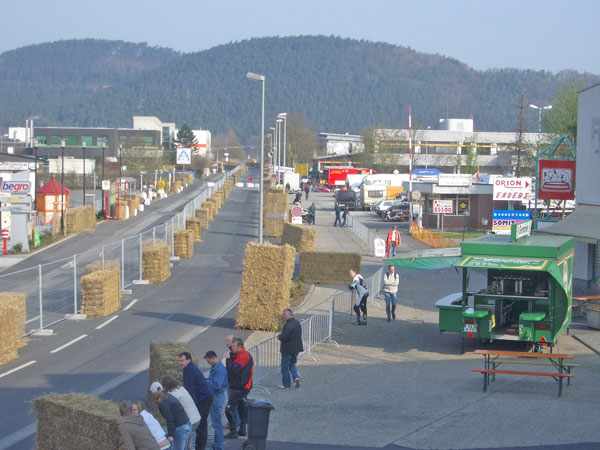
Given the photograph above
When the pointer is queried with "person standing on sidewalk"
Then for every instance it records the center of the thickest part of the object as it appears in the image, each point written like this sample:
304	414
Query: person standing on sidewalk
306	188
393	241
391	280
338	210
312	211
345	215
172	386
362	292
240	372
291	345
227	356
195	383
218	385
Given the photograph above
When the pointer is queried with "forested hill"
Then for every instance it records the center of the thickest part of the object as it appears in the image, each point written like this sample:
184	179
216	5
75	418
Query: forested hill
341	85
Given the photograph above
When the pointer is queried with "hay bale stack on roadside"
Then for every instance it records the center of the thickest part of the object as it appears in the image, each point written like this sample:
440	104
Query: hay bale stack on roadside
155	263
302	238
8	341
131	205
276	207
193	224
123	210
15	302
80	219
184	243
163	360
202	216
137	201
328	268
176	187
100	294
109	264
77	421
266	284
218	198
209	204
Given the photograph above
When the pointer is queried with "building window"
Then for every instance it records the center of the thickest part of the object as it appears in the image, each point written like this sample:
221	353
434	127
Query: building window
72	141
55	140
41	140
102	139
148	140
88	140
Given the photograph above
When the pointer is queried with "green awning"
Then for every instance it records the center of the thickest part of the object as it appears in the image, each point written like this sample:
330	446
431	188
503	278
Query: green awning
439	258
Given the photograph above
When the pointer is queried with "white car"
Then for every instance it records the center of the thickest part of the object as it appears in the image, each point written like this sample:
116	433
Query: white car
383	205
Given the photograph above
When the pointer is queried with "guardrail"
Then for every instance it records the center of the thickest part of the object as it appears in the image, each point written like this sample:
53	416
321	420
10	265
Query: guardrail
53	289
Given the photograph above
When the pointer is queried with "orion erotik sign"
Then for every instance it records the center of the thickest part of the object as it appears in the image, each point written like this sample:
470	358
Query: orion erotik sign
507	188
556	180
16	187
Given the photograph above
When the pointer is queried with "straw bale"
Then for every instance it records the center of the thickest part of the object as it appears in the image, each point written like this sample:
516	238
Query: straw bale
8	340
152	242
80	219
184	243
100	294
266	283
302	238
122	210
202	216
193	224
163	360
175	187
210	205
77	421
155	263
131	205
15	302
328	268
218	199
136	198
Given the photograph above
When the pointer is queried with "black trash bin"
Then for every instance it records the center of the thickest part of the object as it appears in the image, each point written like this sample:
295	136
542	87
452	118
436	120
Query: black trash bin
258	424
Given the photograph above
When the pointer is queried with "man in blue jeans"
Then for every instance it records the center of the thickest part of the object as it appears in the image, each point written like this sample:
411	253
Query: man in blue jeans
291	345
217	383
391	280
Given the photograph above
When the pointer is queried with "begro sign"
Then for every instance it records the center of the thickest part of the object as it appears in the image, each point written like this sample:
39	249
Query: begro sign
512	188
16	187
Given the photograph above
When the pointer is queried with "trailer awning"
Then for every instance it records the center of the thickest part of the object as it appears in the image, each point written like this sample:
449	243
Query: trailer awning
439	258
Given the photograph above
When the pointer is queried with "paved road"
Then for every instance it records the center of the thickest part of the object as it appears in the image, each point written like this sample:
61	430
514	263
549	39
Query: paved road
194	305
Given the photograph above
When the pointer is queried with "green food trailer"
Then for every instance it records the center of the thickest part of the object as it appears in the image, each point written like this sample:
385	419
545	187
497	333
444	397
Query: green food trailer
522	289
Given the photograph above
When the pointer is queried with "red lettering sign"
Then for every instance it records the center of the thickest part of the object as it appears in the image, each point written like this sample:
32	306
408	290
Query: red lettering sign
556	180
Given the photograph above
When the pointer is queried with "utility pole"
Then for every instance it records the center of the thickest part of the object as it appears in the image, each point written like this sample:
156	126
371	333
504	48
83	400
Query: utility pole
520	131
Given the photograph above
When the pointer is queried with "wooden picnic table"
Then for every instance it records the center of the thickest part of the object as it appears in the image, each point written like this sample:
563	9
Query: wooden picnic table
493	358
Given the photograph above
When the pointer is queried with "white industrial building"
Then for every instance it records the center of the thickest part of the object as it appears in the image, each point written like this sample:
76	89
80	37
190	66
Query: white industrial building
167	130
341	144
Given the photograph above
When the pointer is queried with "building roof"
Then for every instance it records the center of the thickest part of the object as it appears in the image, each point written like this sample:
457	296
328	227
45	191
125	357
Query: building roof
52	187
582	224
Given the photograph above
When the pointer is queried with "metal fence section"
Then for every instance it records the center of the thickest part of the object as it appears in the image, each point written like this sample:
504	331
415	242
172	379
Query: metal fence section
362	232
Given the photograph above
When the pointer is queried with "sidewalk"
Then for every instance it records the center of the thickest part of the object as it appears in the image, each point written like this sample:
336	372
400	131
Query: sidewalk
401	384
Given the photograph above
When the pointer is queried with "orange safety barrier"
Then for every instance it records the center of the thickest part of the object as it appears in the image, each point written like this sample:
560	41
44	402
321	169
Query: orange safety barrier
431	238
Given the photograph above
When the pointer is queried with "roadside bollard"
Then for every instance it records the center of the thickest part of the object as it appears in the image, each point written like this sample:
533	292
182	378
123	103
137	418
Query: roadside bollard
258	424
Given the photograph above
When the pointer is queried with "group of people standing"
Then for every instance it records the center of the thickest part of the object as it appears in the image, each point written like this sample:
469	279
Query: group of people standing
344	215
186	408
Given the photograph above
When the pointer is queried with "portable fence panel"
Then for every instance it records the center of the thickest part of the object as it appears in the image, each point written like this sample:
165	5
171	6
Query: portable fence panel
131	259
57	283
26	282
267	358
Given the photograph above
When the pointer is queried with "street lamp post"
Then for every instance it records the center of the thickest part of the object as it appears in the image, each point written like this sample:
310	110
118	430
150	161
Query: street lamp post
284	117
427	146
540	108
62	187
279	174
83	145
261	78
102	192
120	161
35	147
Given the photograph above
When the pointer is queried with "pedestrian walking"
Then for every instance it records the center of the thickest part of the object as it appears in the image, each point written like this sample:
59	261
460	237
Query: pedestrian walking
153	424
135	433
195	383
227	356
291	345
345	215
391	280
312	210
337	220
393	241
240	367
306	188
362	293
218	385
179	427
172	386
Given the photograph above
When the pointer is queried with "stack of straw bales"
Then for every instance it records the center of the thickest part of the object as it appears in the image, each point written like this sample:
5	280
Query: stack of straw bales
109	264
155	263
184	243
100	294
123	210
12	324
80	219
176	187
266	284
133	207
302	238
163	360
210	205
202	216
193	223
213	206
77	421
218	198
276	207
328	268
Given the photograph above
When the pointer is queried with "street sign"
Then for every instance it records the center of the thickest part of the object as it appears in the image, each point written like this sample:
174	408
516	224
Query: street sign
15	187
416	195
443	207
15	199
511	188
184	156
520	229
296	211
106	185
296	220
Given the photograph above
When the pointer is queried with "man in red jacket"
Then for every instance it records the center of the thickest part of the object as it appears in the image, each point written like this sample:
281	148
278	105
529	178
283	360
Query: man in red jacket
393	241
240	371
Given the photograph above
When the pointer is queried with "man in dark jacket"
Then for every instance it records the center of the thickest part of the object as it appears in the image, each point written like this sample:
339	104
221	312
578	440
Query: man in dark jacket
195	383
291	345
240	371
134	431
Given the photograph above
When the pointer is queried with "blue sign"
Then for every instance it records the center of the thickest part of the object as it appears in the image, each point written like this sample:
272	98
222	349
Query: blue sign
184	156
426	172
511	214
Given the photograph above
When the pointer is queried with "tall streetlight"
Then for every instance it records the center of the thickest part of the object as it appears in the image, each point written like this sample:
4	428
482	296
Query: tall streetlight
279	122
427	146
261	78
35	147
273	144
270	136
540	108
102	192
284	117
83	145
62	187
120	161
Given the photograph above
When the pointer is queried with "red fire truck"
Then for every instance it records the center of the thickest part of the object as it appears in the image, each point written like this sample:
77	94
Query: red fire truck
335	176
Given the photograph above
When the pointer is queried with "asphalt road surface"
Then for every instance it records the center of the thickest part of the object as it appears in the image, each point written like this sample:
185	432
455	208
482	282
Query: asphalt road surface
194	305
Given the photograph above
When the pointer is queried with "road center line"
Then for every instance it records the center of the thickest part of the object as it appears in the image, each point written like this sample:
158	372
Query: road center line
68	343
33	319
99	327
17	368
131	303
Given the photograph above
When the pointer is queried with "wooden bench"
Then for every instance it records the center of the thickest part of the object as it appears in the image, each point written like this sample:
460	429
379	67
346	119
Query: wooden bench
493	358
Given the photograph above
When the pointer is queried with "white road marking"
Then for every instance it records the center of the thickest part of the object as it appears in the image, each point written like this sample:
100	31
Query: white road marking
131	303
33	319
17	368
68	343
99	327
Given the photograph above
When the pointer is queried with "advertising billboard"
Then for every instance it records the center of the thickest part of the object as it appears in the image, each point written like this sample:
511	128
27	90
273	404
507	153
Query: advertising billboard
511	188
503	219
556	180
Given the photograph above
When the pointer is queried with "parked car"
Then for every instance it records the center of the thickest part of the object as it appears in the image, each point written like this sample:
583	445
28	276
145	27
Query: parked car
382	206
397	213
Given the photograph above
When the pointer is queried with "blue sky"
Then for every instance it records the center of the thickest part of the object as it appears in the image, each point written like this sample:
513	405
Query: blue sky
526	34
